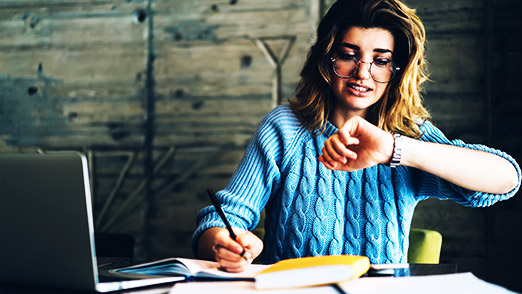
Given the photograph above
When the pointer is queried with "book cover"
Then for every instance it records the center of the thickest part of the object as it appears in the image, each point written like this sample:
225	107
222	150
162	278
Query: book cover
312	271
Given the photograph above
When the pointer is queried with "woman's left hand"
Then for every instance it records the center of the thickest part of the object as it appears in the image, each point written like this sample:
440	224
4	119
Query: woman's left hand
358	144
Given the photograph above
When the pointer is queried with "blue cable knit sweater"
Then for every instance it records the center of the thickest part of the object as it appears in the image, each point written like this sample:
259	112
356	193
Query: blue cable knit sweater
313	211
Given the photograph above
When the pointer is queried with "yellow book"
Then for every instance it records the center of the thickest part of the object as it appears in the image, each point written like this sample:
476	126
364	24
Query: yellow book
312	271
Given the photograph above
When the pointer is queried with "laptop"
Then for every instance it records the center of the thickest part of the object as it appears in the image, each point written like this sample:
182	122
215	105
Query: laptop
46	224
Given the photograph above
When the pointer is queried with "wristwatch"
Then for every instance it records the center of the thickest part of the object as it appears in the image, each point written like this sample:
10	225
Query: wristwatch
397	151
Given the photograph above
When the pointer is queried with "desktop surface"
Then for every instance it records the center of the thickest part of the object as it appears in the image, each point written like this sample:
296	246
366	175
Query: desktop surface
413	270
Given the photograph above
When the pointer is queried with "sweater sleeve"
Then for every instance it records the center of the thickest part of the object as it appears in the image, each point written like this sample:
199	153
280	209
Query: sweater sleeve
428	185
252	183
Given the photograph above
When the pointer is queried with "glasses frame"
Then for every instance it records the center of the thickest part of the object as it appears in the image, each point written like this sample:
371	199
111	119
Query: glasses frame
394	66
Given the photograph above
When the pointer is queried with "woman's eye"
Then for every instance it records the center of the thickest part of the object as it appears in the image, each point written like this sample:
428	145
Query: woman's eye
381	61
347	57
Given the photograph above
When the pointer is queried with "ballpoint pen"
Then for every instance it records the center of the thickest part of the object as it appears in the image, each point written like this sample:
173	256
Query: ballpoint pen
217	206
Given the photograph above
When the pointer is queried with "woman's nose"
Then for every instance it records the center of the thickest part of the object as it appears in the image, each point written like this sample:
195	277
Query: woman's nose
363	70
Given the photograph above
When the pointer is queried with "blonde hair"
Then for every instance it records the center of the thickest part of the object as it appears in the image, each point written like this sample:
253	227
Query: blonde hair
400	108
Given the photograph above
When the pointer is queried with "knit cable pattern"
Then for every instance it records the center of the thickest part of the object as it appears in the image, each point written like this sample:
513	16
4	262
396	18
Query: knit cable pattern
390	212
339	183
322	220
302	204
352	229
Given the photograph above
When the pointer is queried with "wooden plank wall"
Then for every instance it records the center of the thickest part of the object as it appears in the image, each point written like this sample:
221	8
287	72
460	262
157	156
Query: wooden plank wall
77	74
471	49
457	101
506	108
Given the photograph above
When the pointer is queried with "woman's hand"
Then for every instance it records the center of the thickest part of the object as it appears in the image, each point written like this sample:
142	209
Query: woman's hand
216	244
358	144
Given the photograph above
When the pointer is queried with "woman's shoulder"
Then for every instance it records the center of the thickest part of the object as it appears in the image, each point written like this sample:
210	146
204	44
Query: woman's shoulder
281	113
430	133
281	125
282	118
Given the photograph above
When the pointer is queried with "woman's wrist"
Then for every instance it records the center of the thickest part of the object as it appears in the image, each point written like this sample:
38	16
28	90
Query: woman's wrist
389	150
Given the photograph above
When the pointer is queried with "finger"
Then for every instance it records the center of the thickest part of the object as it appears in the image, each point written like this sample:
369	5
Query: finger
330	151
230	261
327	160
350	140
249	239
326	163
223	239
227	248
225	254
350	127
234	267
332	148
340	150
252	244
347	140
343	150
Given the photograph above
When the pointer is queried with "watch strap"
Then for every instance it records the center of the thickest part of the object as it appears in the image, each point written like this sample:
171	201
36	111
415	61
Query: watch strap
397	151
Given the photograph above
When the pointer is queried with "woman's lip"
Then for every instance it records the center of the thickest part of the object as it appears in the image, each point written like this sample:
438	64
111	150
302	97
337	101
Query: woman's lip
355	85
357	89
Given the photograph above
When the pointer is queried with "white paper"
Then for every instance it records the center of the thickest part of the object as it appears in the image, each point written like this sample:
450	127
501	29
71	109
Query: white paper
461	283
240	288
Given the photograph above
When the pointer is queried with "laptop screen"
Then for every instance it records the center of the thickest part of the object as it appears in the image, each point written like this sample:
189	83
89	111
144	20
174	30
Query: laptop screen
46	227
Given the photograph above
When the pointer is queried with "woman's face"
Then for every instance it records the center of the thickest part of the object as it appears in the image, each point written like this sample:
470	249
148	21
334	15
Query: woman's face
358	92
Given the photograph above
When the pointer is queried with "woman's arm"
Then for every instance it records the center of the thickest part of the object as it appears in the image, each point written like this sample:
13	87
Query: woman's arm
471	169
250	188
359	144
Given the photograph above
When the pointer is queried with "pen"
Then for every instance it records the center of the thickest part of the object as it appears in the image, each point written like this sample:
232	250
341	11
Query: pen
221	213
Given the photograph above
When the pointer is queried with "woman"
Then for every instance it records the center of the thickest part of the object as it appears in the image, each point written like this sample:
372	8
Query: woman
341	169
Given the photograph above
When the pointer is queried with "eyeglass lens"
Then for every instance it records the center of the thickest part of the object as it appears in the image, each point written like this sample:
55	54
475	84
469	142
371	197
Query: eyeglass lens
381	70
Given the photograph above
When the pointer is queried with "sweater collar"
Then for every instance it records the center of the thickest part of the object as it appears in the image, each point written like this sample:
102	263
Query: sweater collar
330	129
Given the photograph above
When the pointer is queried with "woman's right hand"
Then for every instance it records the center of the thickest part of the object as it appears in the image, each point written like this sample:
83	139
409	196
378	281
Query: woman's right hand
216	244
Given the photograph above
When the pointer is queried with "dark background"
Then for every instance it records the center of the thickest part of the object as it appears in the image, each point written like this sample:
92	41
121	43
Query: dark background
163	97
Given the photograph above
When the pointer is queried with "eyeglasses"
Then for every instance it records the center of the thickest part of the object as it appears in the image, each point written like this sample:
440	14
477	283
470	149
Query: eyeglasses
381	70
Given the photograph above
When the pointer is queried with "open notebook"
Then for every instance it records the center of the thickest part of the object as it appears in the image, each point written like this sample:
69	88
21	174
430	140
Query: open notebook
46	224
